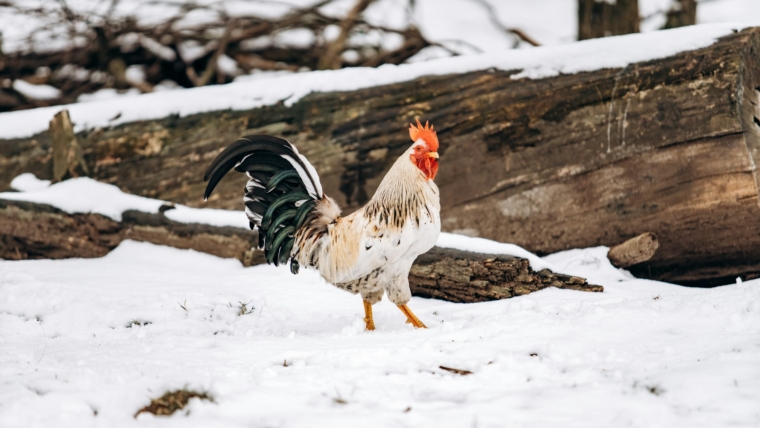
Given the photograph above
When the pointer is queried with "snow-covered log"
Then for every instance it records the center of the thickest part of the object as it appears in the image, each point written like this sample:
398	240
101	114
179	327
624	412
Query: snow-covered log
37	231
574	157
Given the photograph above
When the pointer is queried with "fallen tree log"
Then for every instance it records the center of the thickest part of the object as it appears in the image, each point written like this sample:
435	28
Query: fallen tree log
38	231
667	146
466	277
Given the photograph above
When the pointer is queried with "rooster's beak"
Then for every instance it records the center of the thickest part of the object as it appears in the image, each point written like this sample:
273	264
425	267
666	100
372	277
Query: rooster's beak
433	155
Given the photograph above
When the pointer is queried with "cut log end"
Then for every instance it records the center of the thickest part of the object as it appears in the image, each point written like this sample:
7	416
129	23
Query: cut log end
634	251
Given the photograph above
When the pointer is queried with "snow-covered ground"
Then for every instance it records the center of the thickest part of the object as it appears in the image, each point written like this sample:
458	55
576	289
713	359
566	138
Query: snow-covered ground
642	353
88	342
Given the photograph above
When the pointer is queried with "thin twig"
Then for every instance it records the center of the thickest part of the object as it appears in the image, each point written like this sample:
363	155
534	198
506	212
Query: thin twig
492	16
331	59
211	66
456	371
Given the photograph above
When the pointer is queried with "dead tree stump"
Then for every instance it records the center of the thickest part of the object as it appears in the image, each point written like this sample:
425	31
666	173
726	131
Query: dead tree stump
607	18
67	154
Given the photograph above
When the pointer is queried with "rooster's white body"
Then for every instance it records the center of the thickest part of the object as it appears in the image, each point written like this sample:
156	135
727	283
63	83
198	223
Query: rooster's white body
372	250
369	251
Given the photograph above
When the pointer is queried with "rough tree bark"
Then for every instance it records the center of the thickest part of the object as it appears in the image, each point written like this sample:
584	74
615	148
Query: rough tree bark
35	231
466	277
668	146
603	18
38	231
634	251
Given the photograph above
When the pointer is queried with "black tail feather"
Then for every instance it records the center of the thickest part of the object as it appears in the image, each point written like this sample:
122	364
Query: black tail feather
274	148
263	157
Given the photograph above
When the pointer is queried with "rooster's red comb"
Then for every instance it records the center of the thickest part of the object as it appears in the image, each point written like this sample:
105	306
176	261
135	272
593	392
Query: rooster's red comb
426	133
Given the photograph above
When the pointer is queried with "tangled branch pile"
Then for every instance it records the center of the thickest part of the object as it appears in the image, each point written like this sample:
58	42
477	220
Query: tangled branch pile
196	45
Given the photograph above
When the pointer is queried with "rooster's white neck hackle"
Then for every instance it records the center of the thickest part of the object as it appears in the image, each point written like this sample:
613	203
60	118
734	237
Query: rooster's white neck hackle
405	193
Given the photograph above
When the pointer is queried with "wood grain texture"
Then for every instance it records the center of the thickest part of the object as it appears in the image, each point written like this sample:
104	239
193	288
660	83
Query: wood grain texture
634	251
37	231
667	146
466	277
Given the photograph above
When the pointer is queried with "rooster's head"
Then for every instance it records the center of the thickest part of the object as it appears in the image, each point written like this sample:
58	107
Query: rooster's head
425	148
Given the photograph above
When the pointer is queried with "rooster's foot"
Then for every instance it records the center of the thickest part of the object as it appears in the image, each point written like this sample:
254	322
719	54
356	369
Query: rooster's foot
368	321
411	318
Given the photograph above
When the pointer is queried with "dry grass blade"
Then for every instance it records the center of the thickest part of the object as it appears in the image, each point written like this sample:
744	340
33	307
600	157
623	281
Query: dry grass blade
243	308
456	371
172	401
211	66
493	17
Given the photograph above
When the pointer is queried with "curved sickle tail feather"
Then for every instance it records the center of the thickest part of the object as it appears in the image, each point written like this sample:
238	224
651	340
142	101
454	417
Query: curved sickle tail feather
281	194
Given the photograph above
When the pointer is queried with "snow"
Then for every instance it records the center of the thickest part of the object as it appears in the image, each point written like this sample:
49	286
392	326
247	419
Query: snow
480	245
271	89
744	11
550	22
37	92
85	195
642	353
27	182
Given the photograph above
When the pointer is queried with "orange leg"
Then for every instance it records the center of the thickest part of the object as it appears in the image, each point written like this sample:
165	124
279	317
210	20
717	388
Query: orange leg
411	318
368	315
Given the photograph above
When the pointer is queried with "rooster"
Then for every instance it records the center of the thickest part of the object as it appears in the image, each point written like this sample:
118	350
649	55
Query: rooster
368	252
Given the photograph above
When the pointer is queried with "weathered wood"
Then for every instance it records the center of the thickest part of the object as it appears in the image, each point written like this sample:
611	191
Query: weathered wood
67	154
668	146
462	276
633	251
228	242
36	231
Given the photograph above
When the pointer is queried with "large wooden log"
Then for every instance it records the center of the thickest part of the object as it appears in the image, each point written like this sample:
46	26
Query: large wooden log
466	277
668	146
37	231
